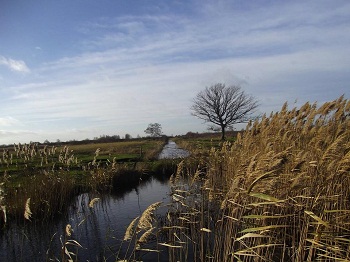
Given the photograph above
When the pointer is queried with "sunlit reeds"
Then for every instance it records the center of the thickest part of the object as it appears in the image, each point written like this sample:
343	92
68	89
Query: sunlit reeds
131	229
280	192
140	231
3	214
27	211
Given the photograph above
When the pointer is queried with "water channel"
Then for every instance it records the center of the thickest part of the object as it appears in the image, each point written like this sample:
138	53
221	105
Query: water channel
99	230
171	150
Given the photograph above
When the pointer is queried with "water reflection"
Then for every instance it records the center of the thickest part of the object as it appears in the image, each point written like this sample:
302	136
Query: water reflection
99	229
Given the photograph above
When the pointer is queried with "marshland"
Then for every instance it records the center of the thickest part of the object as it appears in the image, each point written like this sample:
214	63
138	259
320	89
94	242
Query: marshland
277	191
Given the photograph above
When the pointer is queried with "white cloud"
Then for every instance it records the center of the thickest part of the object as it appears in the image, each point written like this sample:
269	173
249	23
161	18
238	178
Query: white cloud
14	65
143	69
8	121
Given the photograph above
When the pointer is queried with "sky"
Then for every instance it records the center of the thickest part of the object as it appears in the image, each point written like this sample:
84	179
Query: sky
77	69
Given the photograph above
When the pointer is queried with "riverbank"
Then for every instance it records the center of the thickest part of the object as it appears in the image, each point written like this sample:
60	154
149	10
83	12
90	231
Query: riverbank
99	228
41	173
50	187
46	187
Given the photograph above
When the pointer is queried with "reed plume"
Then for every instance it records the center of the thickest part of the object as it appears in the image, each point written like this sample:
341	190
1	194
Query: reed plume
69	230
144	238
93	202
2	205
279	193
130	231
146	218
27	211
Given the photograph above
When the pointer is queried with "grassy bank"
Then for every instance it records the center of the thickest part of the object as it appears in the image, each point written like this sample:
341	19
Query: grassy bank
280	192
45	178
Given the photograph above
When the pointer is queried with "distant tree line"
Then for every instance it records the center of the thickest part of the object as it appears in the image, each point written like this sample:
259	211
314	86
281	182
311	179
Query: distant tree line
100	139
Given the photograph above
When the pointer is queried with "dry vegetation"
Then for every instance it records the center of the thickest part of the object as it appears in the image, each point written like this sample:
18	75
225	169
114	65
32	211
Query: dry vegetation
51	176
280	192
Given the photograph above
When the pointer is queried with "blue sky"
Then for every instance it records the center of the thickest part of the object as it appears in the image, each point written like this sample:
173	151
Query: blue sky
84	68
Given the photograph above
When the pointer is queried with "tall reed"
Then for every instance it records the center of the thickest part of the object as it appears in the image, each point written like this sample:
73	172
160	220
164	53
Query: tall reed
286	185
280	192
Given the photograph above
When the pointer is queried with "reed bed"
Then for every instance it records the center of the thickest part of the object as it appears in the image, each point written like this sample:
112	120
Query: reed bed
51	176
280	192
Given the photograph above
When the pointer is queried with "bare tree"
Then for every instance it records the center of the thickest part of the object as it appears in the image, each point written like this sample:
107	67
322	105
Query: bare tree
154	130
224	106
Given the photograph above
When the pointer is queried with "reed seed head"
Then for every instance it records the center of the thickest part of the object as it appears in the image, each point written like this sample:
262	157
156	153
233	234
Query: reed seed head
93	202
130	231
27	211
69	230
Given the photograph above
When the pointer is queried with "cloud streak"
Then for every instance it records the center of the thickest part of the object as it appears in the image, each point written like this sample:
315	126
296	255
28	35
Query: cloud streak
8	121
136	69
14	65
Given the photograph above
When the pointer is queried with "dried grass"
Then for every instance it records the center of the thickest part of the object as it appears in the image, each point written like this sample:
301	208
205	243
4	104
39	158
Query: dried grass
130	231
279	193
27	211
69	230
93	202
146	219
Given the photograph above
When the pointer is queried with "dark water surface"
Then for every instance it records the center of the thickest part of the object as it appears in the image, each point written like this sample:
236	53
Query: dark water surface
99	230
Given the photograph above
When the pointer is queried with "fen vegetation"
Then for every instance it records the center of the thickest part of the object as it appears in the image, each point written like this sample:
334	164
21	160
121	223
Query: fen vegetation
52	175
278	191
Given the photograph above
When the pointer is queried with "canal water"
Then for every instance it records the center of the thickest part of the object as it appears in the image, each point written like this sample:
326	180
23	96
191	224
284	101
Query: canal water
99	230
171	150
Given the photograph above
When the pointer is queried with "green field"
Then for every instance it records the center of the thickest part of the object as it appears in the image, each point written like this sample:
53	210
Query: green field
43	172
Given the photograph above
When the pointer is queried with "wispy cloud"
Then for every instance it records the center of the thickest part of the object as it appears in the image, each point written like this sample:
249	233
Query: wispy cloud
14	65
8	121
149	40
137	69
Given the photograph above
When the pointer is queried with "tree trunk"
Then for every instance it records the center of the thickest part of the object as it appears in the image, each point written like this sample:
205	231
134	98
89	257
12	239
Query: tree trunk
223	133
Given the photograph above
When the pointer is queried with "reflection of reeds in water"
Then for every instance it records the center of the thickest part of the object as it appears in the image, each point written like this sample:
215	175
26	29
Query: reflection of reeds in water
68	242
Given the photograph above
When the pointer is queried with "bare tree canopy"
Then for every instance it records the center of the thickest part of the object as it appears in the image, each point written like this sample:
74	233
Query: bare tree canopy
224	106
